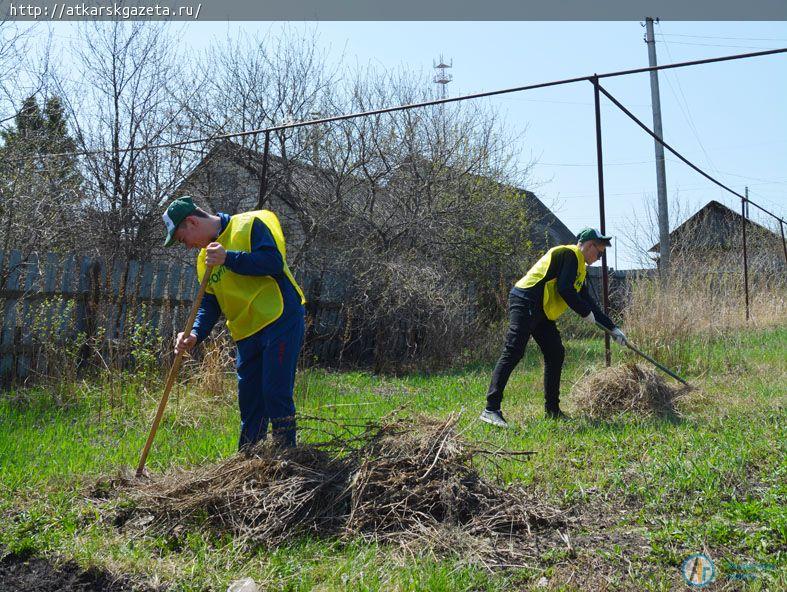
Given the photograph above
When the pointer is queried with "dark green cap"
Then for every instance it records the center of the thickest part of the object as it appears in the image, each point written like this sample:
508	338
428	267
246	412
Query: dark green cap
587	234
175	214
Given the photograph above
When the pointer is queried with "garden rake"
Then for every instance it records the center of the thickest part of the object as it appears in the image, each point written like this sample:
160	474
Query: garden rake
647	357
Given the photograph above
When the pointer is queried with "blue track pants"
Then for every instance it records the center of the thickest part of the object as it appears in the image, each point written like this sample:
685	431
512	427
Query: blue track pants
266	379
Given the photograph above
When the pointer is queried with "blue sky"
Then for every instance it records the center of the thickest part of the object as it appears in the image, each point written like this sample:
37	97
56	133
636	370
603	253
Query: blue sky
729	118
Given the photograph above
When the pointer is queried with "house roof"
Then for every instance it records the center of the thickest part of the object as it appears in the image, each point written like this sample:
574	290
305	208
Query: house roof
544	219
549	222
710	213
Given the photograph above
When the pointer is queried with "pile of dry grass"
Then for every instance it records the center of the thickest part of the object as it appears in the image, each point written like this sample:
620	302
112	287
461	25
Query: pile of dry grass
266	497
400	481
624	388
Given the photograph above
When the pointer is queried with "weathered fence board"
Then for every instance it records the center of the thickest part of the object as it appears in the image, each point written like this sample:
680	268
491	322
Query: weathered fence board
7	353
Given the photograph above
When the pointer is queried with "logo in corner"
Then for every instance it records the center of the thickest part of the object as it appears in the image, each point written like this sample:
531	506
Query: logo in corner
698	570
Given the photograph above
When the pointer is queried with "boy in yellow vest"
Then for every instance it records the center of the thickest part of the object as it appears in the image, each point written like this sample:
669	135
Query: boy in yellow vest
263	305
555	283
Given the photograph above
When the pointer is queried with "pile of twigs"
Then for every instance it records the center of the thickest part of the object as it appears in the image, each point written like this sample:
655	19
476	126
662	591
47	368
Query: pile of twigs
419	474
401	480
625	388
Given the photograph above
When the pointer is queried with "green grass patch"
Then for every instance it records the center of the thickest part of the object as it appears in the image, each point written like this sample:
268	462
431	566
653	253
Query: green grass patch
712	481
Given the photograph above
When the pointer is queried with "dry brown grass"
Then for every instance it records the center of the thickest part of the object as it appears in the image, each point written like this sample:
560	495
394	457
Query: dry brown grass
212	373
626	388
678	323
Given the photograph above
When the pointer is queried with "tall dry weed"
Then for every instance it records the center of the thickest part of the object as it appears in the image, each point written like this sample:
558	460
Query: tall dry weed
212	374
699	307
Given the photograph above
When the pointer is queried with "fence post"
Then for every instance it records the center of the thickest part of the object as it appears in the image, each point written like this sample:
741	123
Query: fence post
9	316
69	293
603	223
144	287
30	307
89	293
158	296
745	256
173	294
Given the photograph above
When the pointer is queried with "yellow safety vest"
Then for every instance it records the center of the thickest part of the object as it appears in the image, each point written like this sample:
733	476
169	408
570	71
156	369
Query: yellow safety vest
249	302
554	305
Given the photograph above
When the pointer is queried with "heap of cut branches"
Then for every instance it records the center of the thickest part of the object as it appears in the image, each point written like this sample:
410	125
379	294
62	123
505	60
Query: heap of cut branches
625	388
399	481
416	475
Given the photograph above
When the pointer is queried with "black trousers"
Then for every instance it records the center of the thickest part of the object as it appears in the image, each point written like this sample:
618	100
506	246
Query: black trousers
525	319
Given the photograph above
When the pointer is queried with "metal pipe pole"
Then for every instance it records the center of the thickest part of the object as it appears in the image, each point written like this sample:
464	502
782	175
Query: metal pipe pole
264	174
784	243
602	218
414	105
745	256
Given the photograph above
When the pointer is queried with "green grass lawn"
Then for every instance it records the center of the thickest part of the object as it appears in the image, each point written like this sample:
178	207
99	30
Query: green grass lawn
648	492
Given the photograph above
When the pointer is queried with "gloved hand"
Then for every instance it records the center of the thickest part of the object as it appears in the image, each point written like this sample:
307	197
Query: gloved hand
619	336
590	318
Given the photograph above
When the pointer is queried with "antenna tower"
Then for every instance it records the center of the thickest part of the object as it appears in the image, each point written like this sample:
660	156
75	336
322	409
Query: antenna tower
442	77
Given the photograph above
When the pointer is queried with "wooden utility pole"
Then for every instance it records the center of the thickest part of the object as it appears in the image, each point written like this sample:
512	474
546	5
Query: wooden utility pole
661	174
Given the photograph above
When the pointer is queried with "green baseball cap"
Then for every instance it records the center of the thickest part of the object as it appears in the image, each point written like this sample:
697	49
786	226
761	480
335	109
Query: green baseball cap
587	234
175	214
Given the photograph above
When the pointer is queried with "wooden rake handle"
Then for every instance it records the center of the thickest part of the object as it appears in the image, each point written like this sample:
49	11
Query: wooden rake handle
173	373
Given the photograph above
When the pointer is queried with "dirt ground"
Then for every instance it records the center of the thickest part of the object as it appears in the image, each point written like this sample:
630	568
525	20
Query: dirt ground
21	573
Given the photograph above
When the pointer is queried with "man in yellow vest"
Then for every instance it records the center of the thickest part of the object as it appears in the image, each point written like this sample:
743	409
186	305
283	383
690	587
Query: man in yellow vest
263	305
555	283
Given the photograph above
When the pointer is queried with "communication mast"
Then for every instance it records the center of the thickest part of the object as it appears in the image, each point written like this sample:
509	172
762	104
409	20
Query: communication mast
442	77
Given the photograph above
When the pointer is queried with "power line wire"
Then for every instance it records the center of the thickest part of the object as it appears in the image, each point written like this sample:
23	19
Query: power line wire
718	45
590	164
676	153
728	38
687	111
422	104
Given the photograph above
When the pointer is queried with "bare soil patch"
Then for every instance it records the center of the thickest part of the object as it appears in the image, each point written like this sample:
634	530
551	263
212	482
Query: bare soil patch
26	573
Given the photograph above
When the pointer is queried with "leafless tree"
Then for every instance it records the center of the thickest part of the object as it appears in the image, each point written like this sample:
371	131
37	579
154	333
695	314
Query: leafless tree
641	230
419	207
30	118
419	211
129	95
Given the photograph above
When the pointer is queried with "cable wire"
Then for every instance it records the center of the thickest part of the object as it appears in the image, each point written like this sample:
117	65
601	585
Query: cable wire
676	153
422	104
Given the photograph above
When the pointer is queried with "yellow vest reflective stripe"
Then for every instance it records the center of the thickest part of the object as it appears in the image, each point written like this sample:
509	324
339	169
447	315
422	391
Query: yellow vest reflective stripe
554	305
248	302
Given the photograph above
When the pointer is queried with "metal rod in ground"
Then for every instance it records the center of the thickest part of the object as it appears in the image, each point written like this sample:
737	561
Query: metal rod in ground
602	217
745	255
784	243
173	373
647	357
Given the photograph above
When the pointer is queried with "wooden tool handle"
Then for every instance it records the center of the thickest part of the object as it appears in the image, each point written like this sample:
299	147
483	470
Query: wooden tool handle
173	373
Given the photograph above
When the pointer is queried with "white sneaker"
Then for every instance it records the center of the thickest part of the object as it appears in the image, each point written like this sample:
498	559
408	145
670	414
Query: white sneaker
494	418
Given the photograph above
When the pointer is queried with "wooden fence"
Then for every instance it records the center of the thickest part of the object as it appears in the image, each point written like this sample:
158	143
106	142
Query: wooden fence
63	312
52	299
